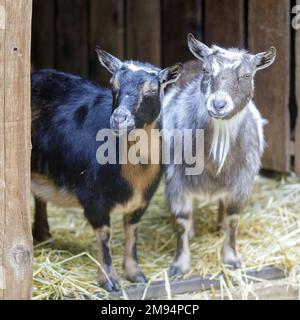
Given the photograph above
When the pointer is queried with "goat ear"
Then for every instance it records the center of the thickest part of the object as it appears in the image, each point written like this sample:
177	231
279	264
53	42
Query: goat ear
111	63
197	48
264	59
170	74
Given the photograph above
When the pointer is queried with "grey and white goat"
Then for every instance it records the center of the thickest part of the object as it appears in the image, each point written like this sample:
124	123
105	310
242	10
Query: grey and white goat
219	101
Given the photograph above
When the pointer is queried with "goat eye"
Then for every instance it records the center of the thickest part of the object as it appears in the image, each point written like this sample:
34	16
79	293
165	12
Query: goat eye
247	76
150	92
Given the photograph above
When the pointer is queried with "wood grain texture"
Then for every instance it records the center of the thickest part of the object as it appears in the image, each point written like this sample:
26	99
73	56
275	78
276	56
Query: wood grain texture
107	31
72	36
297	70
192	284
17	241
43	34
224	22
180	17
269	25
143	32
266	290
2	148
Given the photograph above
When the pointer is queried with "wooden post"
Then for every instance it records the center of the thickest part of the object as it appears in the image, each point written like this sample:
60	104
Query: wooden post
15	230
2	146
270	25
297	70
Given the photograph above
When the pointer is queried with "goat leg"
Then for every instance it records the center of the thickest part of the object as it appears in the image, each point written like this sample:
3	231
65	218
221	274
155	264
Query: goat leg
182	261
130	265
230	224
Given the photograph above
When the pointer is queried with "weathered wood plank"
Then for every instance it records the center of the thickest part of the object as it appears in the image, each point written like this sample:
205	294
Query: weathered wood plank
43	34
179	18
2	146
72	39
297	136
107	30
224	22
143	32
269	25
17	236
268	290
192	284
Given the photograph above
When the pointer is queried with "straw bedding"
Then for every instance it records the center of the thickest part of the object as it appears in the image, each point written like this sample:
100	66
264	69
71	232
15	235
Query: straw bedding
269	234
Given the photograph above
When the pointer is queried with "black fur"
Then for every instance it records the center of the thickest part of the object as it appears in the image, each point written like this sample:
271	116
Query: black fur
67	112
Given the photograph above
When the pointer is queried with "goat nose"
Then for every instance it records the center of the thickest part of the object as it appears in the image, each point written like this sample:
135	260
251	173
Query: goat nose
120	118
219	104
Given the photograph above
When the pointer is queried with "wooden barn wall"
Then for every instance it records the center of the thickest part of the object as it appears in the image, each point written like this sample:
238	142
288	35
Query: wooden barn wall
65	33
269	24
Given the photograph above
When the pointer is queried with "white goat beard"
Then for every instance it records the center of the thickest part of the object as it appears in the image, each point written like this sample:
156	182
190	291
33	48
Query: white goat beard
220	142
225	133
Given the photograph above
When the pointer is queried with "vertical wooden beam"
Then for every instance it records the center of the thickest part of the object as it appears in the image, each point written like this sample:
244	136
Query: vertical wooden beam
72	38
107	30
297	70
179	18
2	147
224	23
144	31
269	25
15	230
43	34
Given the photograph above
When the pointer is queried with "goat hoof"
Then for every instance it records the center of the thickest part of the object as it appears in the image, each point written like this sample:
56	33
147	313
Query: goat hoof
234	265
110	285
41	236
233	261
192	234
175	271
139	277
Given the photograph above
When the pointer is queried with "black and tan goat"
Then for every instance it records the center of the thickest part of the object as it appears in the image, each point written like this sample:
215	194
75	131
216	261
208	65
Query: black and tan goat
67	114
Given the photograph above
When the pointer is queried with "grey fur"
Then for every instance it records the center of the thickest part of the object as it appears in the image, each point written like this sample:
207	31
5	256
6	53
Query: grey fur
188	109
